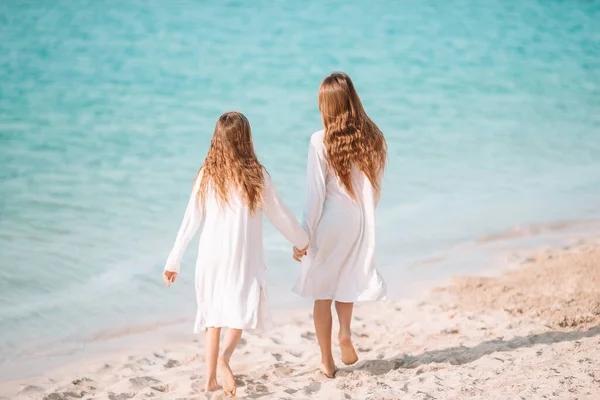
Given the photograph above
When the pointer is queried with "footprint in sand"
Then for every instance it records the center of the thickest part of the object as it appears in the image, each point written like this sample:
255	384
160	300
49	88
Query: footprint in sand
143	382
30	389
198	385
120	396
104	368
282	370
312	388
146	361
308	335
256	389
172	364
163	388
56	396
80	381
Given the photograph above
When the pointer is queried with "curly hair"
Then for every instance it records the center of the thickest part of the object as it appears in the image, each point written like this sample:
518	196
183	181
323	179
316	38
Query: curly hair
231	163
351	137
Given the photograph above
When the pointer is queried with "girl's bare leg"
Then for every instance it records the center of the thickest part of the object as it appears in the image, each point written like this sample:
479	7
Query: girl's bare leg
211	353
344	312
232	338
323	321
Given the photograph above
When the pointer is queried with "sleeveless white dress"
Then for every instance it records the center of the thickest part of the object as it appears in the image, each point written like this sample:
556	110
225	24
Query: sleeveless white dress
340	264
231	279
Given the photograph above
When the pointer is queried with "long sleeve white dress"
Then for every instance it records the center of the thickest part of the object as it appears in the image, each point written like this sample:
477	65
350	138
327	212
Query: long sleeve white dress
231	286
340	264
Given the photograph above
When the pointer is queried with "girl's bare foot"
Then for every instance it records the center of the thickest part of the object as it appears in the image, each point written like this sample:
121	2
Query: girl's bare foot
211	386
328	368
349	356
229	385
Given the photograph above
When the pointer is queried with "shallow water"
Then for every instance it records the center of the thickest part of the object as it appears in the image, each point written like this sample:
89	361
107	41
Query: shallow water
491	111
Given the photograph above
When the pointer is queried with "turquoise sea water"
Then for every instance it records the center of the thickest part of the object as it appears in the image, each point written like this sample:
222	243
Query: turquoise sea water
491	111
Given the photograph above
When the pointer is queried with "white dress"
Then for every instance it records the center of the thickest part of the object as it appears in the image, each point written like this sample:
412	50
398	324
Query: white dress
230	280
340	264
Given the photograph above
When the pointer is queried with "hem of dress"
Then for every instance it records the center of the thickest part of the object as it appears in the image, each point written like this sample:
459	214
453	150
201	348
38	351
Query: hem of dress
258	328
259	325
354	299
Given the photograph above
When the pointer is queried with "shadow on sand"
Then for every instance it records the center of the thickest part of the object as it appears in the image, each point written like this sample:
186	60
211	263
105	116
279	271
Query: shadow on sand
463	355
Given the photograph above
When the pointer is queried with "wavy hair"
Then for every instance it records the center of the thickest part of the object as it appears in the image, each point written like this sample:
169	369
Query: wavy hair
351	137
231	163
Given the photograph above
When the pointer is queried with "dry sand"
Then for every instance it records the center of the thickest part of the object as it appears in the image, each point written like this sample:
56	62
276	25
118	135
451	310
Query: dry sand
532	333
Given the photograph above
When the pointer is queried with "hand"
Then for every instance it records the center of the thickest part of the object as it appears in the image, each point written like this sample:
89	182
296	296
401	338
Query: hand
299	253
169	277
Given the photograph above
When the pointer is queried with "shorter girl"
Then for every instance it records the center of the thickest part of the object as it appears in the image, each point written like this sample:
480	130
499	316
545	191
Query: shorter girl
231	192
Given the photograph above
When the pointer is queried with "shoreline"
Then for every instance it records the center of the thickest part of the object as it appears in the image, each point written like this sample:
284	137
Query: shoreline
542	315
487	255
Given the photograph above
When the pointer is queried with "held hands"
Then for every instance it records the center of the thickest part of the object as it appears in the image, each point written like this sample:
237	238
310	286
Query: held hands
299	253
169	277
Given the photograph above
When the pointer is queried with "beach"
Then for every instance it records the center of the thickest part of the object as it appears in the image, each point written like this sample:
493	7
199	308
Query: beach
490	113
530	332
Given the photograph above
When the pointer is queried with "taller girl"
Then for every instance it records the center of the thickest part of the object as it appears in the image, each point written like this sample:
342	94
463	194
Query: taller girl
345	167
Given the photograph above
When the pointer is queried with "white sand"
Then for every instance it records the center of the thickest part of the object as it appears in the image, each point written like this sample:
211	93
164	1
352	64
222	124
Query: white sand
532	333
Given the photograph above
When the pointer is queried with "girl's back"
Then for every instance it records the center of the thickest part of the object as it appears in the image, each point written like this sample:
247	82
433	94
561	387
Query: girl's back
343	181
232	234
335	190
231	191
343	184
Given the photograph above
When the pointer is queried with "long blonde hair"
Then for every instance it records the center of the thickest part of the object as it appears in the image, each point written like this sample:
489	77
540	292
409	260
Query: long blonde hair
231	163
351	137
